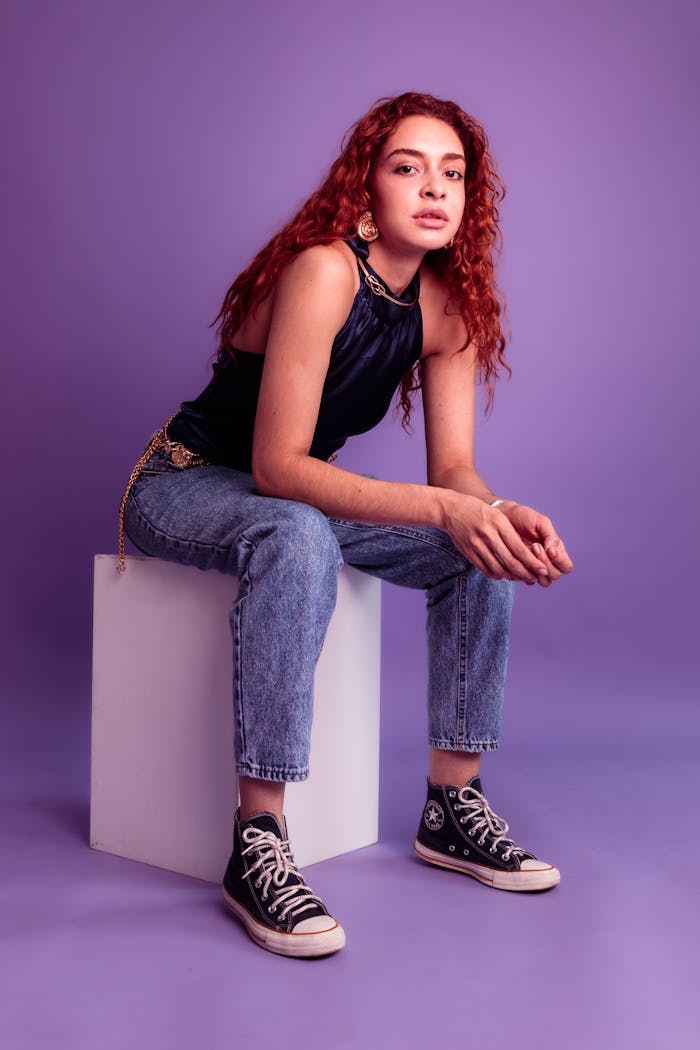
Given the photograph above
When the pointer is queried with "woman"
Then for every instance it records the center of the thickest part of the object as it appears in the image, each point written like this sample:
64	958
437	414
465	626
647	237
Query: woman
384	279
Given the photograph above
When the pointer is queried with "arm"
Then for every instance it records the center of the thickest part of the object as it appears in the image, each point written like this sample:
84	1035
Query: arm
449	385
312	299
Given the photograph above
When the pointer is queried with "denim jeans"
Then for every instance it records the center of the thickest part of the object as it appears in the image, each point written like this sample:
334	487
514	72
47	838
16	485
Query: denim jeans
286	556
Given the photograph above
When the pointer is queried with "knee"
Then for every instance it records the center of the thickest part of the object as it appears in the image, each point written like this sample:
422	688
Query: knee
304	532
497	594
302	540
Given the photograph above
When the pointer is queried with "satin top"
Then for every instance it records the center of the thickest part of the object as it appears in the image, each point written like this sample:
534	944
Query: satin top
378	343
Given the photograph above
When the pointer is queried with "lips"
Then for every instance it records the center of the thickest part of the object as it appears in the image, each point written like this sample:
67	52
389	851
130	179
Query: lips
431	213
431	219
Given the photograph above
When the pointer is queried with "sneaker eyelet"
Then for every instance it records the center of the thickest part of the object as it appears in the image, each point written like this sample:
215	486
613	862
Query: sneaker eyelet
463	820
471	833
452	794
492	849
465	852
452	849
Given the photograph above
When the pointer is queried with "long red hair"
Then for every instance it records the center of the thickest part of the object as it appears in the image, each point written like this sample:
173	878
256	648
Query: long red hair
334	210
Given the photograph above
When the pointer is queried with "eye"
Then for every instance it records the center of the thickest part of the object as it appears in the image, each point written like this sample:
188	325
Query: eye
404	169
455	174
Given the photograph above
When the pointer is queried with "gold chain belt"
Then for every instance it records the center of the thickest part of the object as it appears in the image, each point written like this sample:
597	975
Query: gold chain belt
181	457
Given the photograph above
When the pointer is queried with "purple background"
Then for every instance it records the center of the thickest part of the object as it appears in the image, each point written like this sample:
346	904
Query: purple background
149	149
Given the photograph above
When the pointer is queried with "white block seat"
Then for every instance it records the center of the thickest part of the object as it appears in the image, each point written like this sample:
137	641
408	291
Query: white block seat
163	788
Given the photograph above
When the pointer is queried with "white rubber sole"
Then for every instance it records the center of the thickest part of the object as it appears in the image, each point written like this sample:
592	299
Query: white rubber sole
300	945
521	881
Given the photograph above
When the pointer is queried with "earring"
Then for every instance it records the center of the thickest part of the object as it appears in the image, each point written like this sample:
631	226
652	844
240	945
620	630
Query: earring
450	242
367	227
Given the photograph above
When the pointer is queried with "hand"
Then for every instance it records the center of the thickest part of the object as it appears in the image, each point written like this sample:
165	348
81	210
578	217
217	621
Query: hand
487	538
539	534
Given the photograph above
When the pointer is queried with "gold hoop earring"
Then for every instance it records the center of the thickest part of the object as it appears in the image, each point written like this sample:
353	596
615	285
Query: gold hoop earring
367	227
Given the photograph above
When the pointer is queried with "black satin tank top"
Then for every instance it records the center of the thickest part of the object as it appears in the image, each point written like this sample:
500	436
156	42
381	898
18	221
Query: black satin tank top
378	343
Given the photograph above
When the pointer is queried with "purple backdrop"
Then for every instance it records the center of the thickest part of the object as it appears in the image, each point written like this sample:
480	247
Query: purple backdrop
151	147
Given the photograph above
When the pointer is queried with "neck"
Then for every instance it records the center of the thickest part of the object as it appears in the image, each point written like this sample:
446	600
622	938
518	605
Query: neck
396	267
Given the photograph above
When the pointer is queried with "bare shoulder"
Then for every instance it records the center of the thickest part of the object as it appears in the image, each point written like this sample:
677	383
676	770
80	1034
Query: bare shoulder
317	283
328	269
313	297
444	330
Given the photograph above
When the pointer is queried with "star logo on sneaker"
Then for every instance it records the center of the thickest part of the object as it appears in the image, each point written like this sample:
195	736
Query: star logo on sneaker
433	816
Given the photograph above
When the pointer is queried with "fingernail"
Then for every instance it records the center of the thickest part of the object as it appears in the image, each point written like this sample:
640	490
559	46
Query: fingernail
552	550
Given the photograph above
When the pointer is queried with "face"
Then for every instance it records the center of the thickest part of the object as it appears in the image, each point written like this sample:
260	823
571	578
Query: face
417	185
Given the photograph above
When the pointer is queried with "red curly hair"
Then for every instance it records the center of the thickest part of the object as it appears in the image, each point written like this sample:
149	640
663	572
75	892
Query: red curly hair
334	210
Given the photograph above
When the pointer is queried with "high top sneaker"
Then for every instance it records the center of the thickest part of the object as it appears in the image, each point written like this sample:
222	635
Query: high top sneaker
459	830
264	889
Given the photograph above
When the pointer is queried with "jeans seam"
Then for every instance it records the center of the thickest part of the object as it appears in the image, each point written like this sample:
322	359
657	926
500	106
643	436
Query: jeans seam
244	578
460	745
254	769
170	537
463	661
404	530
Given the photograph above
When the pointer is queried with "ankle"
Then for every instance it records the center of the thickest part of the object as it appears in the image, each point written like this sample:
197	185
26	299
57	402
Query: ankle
453	767
261	796
245	812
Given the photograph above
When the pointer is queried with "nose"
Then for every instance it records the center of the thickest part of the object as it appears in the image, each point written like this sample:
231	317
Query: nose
432	187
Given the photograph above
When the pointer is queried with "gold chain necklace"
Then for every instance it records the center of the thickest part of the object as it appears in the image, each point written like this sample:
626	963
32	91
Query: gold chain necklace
376	286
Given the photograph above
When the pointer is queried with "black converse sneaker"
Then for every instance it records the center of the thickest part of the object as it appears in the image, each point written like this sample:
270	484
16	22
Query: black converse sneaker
459	830
264	889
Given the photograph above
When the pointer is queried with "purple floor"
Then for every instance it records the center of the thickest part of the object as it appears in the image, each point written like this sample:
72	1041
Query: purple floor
102	952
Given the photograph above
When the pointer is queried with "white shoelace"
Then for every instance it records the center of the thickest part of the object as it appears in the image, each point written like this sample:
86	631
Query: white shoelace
275	864
483	817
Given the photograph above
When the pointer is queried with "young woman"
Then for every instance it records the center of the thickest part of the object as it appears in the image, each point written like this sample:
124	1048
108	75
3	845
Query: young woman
383	280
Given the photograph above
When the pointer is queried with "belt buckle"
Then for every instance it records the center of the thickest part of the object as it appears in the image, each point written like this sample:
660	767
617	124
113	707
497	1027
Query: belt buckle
180	455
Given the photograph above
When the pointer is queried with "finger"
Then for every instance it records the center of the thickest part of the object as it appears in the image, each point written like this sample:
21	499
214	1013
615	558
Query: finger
557	554
562	559
521	576
520	550
476	560
546	581
554	546
547	535
552	571
511	565
494	568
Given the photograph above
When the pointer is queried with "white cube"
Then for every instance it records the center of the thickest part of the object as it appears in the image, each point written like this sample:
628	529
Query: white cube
163	785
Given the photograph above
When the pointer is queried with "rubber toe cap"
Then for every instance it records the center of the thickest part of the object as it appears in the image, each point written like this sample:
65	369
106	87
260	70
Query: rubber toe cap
317	924
534	865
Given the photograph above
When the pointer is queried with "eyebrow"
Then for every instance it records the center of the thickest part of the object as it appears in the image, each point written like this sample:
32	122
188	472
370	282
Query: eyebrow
417	153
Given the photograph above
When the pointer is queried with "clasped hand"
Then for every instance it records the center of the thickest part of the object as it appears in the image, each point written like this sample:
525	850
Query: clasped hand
508	542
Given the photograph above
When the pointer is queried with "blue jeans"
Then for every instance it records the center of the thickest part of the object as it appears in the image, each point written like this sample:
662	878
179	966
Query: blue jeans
286	556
